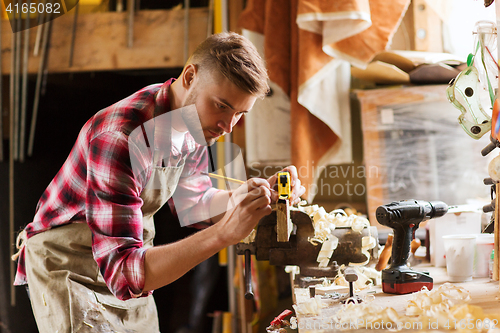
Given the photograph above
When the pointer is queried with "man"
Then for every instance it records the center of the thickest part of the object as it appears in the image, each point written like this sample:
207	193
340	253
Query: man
87	257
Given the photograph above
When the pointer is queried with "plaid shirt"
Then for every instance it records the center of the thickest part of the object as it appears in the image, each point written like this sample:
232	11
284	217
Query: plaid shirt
97	184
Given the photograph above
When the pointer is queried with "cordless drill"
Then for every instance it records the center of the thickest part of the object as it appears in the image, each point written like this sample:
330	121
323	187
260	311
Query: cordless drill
404	217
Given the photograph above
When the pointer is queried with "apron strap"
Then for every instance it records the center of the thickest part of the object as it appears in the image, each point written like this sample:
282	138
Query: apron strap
21	239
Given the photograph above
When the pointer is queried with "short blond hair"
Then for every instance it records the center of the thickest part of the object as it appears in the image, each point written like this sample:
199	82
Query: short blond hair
236	58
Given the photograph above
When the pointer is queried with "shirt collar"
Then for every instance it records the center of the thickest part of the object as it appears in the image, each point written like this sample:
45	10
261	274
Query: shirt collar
162	105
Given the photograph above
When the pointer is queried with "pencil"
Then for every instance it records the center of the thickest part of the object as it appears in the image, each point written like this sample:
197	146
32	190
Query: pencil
216	176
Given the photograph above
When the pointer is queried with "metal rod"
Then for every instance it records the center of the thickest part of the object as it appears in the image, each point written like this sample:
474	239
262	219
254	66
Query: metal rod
38	86
73	35
24	97
130	9
39	32
186	30
248	275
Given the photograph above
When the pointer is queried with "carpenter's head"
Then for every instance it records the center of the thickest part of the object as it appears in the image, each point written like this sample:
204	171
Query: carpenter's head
223	78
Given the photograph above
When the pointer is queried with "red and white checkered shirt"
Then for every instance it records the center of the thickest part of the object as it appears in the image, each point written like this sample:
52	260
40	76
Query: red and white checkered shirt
97	184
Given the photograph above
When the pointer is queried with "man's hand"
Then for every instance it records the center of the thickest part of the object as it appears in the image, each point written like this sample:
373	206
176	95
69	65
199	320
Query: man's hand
297	189
247	205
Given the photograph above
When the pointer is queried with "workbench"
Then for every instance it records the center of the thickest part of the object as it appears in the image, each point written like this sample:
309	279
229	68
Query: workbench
484	293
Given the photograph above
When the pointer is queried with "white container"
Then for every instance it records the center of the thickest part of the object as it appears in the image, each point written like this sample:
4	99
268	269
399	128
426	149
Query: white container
484	245
460	251
451	223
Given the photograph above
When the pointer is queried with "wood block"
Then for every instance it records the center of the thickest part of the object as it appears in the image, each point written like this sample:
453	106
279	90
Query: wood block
284	223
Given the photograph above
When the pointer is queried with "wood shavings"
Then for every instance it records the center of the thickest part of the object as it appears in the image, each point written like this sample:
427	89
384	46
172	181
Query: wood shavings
361	283
325	223
430	302
250	238
327	250
442	308
89	325
309	307
366	315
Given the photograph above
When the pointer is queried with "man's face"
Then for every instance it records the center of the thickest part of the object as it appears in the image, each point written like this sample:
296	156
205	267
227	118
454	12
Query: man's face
220	104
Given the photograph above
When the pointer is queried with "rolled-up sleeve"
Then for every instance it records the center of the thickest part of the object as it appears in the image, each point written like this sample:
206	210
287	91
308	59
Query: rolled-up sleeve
113	211
194	191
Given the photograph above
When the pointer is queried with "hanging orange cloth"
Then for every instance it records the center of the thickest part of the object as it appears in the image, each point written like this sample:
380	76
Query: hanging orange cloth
307	45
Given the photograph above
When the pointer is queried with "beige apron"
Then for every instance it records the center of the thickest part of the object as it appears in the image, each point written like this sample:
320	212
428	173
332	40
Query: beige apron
67	291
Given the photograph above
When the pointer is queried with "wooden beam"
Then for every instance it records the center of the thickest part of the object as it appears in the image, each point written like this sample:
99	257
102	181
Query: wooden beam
101	41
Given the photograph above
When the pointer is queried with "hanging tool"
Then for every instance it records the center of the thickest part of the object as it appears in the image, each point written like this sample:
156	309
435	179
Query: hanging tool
73	35
17	88
11	162
24	92
41	67
405	217
130	31
39	31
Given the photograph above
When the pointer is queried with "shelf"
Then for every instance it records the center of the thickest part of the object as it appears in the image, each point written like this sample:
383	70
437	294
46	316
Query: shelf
101	41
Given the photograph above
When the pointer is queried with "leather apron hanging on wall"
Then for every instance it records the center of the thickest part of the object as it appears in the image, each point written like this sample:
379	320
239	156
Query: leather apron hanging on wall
67	291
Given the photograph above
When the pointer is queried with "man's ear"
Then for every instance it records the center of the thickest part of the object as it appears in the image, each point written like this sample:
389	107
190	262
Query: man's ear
190	72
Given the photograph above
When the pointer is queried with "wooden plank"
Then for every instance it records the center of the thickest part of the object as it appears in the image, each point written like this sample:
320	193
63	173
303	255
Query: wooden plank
101	41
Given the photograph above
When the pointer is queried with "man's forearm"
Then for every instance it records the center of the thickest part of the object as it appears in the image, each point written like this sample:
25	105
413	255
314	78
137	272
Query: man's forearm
218	205
166	263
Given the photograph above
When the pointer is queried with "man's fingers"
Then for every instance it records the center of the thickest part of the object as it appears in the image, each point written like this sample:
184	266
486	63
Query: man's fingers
254	194
293	174
301	192
296	190
256	182
260	207
259	192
